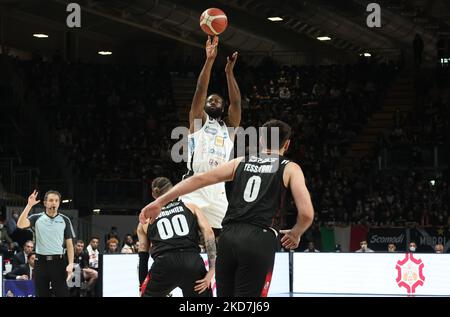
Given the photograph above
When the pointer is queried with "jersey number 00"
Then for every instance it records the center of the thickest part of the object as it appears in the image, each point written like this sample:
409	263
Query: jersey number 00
177	224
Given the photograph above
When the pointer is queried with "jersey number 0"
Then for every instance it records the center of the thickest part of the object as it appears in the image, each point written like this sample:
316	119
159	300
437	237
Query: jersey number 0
252	189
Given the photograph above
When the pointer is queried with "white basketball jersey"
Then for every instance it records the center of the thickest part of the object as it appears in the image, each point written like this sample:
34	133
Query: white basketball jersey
209	147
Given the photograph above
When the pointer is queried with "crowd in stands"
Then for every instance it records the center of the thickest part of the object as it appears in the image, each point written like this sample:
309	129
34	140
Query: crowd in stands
418	196
429	123
115	122
406	193
326	106
112	122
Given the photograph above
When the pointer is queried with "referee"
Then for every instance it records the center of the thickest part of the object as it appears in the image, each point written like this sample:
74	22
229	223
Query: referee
52	230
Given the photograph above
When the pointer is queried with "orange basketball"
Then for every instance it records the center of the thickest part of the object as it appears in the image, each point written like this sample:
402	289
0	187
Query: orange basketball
213	21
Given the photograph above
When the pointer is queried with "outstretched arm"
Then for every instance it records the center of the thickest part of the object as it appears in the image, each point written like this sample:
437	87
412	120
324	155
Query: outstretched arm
199	100
234	94
305	211
23	221
222	173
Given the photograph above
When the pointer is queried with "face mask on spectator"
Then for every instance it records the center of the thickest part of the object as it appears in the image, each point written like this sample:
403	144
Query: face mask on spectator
412	249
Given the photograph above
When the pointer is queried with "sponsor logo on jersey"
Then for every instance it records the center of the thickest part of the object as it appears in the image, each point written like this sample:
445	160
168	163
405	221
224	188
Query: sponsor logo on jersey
217	152
211	130
254	159
219	141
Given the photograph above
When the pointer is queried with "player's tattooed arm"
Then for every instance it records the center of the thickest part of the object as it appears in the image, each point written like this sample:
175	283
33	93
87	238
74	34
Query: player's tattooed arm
210	246
207	232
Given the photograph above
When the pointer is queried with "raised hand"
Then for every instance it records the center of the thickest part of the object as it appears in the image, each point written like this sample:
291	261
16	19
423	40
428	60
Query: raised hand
211	47
231	61
32	199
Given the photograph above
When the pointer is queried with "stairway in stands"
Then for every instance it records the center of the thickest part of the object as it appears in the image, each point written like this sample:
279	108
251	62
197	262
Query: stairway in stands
401	96
183	89
18	145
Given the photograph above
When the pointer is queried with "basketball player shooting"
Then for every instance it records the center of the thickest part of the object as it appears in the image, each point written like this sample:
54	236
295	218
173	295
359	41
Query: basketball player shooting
209	141
247	246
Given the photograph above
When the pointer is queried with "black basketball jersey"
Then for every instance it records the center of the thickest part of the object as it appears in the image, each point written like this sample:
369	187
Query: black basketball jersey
257	193
175	228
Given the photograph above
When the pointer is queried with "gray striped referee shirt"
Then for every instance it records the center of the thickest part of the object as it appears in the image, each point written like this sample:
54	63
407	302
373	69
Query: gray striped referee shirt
51	232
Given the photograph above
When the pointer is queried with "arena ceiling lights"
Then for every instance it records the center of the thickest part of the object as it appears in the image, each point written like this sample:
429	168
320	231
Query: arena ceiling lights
324	38
275	19
40	35
104	53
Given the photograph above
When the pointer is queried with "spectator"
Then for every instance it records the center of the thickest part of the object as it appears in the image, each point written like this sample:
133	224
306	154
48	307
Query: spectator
9	251
439	248
311	247
23	271
11	223
81	258
92	250
22	257
392	248
285	93
364	248
112	246
412	247
128	244
319	89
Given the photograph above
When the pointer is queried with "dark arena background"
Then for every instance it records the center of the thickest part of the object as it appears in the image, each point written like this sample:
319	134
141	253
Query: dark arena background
93	92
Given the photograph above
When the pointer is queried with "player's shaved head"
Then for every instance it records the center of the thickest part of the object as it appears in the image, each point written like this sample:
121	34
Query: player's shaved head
214	106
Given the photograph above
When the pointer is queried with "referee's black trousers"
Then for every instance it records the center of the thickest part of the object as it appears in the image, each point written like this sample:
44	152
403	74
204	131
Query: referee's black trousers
51	270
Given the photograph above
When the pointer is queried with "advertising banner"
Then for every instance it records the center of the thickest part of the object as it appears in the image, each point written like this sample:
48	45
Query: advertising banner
427	238
18	288
120	275
371	274
379	238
